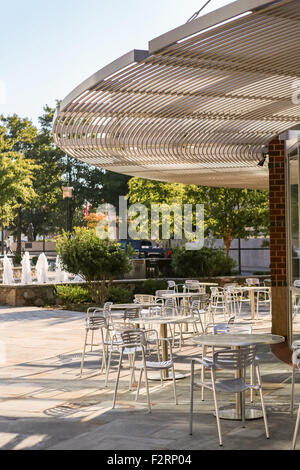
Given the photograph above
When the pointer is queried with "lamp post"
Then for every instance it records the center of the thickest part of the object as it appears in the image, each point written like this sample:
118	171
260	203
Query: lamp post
67	195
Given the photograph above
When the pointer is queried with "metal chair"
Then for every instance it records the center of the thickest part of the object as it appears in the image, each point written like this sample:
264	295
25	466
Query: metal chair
172	287
131	314
295	368
115	344
235	360
195	312
218	302
252	281
295	299
144	299
133	339
232	298
192	285
263	296
95	321
226	328
296	429
105	311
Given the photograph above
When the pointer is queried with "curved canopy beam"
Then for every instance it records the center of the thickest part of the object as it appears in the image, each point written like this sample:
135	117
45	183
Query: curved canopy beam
200	107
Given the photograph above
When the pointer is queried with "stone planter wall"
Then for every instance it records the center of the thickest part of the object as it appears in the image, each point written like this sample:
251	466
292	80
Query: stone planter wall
38	295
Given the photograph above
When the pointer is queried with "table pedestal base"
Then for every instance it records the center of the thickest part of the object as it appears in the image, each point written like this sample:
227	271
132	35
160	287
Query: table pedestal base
231	413
156	376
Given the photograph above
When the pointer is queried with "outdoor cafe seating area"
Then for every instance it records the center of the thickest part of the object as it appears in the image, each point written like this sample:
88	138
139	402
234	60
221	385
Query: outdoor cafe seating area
146	337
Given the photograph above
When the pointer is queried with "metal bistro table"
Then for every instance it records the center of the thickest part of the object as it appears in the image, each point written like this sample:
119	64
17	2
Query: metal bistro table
232	340
252	290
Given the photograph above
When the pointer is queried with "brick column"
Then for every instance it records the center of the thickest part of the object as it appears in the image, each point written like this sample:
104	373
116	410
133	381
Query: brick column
278	237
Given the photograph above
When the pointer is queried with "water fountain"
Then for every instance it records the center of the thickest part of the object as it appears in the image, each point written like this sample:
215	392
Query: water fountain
42	269
8	273
26	277
60	274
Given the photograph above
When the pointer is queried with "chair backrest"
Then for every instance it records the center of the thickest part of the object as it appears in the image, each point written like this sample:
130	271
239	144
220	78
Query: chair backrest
144	298
235	359
96	320
131	314
252	281
232	328
159	293
171	285
134	337
217	295
191	284
169	308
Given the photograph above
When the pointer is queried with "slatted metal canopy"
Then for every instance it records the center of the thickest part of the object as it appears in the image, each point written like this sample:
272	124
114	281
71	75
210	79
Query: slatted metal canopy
199	107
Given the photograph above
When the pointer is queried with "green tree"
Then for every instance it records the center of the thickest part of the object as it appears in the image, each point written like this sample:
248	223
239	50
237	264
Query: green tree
149	192
90	184
16	171
232	213
229	213
85	254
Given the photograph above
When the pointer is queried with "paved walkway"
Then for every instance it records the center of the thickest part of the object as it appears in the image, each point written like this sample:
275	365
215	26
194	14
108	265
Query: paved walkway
45	405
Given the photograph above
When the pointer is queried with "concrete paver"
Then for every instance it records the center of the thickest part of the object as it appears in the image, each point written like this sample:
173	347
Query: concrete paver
45	405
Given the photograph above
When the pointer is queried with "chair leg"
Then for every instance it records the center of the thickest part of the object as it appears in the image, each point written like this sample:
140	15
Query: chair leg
174	386
118	377
293	390
103	362
132	366
108	367
139	383
262	402
180	336
83	352
92	341
146	381
216	408
203	373
191	399
251	382
296	429
243	411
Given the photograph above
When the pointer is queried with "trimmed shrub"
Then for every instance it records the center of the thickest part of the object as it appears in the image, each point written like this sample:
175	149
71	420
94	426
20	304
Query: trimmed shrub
150	286
206	262
73	294
119	295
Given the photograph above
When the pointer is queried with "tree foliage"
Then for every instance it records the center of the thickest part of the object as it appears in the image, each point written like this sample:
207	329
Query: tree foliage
16	171
204	262
49	170
85	254
229	213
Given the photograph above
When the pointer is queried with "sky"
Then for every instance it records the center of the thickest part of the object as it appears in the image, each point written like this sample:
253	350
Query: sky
50	46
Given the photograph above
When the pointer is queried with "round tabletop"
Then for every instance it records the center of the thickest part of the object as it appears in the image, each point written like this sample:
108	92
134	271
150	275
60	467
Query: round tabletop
203	284
161	320
252	287
180	294
133	306
236	340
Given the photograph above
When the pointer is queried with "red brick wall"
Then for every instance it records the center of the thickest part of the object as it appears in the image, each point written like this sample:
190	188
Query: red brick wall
278	254
278	242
